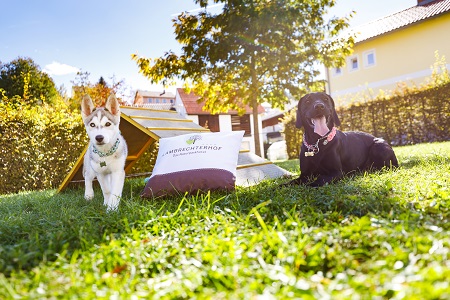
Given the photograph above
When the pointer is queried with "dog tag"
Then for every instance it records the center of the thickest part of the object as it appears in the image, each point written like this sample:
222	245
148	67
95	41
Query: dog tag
308	154
325	142
103	164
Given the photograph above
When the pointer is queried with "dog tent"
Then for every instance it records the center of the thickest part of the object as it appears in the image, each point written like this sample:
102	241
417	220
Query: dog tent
141	127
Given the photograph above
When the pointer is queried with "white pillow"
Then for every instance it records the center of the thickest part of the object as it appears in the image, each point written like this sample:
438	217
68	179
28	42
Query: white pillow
195	162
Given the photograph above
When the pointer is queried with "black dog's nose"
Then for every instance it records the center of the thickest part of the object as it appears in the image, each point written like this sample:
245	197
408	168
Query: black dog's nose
319	106
99	138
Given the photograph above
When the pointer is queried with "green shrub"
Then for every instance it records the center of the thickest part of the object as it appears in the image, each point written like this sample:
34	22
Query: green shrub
410	117
292	134
38	145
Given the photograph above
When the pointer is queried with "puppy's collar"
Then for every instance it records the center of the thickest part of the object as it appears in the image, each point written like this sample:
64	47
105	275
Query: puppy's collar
314	149
110	152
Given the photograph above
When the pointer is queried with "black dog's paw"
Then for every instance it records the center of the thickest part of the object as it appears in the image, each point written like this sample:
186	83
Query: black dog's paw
291	183
311	182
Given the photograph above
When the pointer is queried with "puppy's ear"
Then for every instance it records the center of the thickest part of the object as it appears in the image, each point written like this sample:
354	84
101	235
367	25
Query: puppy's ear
336	120
113	105
87	106
299	122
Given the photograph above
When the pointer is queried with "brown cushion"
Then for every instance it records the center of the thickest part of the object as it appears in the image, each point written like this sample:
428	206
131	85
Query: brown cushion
199	180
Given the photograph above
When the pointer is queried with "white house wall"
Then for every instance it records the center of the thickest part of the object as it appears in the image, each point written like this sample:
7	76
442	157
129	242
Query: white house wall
248	142
225	123
194	118
179	106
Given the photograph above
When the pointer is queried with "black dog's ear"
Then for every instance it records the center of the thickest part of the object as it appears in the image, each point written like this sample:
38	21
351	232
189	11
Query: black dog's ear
298	122
336	120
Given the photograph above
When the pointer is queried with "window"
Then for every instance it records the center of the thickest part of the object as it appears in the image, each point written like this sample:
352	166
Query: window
209	122
241	123
353	63
337	71
369	58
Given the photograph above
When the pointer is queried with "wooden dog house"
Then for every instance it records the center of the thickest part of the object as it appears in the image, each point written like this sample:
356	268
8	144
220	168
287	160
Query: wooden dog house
141	127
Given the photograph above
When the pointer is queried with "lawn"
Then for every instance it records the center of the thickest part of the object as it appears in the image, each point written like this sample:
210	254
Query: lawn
381	235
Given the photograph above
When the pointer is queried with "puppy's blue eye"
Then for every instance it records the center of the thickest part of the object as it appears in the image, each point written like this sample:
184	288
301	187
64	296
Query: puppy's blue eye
107	124
92	125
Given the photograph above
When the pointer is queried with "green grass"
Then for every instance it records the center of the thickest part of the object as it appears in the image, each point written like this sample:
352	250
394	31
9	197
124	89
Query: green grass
378	235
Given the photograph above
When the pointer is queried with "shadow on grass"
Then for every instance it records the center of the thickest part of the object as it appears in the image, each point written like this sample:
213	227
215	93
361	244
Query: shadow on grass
317	206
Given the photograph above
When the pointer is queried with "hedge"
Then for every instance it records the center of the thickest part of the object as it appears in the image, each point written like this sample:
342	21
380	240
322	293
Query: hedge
38	146
408	117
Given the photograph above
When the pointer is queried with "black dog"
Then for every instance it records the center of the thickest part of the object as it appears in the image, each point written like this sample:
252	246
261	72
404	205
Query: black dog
328	154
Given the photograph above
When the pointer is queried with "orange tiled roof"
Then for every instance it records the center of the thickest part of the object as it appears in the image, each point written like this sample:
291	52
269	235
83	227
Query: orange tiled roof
401	19
195	108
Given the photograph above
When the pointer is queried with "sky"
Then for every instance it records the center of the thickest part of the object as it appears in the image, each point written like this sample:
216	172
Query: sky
99	36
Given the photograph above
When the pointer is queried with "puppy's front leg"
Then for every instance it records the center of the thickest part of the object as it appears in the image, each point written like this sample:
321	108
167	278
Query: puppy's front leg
88	189
105	184
117	181
88	178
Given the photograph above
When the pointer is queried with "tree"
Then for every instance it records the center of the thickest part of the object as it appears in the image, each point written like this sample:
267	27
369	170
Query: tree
253	51
99	91
23	77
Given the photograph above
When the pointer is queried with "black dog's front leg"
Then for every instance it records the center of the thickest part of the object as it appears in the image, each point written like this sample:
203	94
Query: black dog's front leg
315	180
295	181
302	179
323	170
322	180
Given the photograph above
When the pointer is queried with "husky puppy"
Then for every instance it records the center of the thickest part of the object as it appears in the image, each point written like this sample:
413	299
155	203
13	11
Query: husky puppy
107	152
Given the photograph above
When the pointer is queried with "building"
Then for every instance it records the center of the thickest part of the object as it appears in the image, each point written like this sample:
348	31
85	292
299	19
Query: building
187	106
153	99
271	122
399	48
